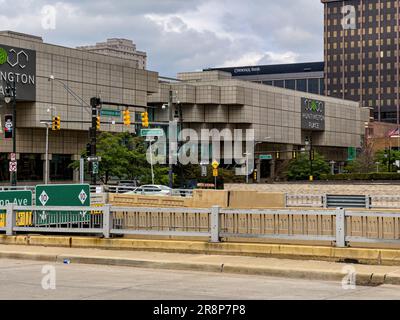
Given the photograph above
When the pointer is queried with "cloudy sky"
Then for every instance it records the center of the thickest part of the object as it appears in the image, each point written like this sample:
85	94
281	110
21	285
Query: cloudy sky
181	35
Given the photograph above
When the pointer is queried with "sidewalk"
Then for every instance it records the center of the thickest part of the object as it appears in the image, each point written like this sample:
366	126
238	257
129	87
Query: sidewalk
313	270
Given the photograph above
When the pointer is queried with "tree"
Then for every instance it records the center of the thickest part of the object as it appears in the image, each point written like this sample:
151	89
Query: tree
365	162
124	157
300	169
382	157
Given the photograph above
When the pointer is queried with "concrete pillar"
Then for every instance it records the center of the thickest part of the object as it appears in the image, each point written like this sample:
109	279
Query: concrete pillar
43	157
273	167
76	176
258	167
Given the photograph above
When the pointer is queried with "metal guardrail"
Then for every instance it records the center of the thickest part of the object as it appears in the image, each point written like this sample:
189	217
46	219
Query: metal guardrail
124	189
349	201
339	227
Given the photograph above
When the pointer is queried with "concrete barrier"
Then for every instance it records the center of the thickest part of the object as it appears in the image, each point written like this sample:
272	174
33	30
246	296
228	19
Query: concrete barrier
204	199
256	200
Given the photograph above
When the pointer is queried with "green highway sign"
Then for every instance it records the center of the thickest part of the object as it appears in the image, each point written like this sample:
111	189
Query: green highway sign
265	157
67	195
18	198
95	167
152	132
351	154
110	113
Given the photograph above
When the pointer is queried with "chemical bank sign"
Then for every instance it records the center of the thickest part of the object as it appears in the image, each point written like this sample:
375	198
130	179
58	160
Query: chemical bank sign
312	114
18	65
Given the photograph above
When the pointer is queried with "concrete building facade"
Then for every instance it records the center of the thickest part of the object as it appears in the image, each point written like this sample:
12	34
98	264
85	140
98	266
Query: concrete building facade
120	48
87	75
213	99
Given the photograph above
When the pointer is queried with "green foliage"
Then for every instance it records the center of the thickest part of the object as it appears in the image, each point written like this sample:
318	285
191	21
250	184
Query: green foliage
383	158
300	168
124	156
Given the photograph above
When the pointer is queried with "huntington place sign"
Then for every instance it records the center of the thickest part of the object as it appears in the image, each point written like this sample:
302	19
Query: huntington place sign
18	65
312	114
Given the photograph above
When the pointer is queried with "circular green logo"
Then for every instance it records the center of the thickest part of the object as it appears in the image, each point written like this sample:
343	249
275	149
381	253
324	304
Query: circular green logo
3	56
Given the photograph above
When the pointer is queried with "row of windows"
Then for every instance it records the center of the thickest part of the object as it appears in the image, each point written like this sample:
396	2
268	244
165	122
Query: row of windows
30	167
373	5
315	86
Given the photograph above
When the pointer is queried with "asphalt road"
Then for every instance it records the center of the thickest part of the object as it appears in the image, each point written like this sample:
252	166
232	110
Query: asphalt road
23	280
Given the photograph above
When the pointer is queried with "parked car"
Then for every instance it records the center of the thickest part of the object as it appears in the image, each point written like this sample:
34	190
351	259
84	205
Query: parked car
155	190
124	186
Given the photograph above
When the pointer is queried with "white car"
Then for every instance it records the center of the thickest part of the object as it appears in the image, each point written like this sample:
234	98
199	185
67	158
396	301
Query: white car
154	190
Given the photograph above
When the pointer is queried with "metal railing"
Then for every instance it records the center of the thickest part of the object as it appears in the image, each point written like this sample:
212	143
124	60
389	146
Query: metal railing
338	227
125	189
321	201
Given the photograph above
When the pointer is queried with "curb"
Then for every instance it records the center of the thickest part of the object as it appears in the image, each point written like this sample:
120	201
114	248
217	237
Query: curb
364	279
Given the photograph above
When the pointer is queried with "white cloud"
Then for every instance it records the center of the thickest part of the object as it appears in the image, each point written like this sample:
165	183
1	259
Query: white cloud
184	35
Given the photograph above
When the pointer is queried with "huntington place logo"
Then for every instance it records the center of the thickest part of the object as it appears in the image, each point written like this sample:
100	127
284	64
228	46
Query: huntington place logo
3	56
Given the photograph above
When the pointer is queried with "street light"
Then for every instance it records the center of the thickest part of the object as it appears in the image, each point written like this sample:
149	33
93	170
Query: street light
150	141
247	154
308	144
47	124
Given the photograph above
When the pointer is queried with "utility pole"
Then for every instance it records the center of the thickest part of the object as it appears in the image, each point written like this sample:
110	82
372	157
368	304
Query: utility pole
94	103
170	119
14	98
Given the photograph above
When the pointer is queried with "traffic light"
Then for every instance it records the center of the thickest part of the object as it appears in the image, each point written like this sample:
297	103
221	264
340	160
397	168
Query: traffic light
255	175
98	123
127	118
56	123
278	155
294	155
95	102
88	149
145	119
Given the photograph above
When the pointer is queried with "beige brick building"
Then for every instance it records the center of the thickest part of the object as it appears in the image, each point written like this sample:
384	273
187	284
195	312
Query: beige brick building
212	99
88	75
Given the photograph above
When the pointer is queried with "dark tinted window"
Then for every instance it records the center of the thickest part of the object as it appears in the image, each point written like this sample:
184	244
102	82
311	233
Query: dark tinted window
290	84
302	85
279	83
313	86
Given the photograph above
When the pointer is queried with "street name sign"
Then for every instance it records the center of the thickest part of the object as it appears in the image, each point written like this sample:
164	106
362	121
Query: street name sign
265	157
66	195
18	198
152	132
110	113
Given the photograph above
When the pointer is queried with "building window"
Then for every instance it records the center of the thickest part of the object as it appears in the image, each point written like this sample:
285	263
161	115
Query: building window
60	168
279	83
290	84
313	86
30	167
301	85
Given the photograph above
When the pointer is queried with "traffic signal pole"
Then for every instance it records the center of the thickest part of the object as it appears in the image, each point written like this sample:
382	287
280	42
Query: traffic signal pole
94	102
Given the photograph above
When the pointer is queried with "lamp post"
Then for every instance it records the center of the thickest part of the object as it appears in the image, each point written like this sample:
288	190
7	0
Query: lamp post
150	141
47	124
247	154
11	95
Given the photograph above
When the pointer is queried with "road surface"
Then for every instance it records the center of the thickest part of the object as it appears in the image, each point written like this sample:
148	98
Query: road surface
23	280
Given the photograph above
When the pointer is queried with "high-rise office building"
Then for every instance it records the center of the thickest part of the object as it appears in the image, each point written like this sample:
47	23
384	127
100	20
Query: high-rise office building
361	40
120	48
